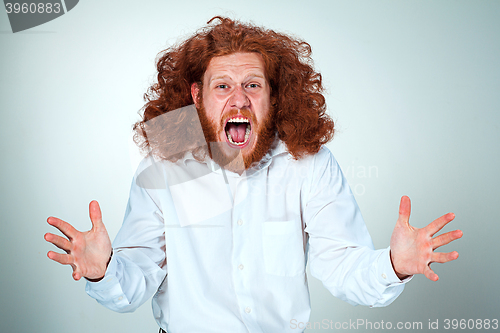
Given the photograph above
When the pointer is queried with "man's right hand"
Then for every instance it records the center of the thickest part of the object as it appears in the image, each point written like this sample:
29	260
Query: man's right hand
88	252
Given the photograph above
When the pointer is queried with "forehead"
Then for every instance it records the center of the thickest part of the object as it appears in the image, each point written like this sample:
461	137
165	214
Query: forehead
236	65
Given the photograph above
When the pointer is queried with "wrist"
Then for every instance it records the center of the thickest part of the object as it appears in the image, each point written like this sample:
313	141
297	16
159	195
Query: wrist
399	275
107	264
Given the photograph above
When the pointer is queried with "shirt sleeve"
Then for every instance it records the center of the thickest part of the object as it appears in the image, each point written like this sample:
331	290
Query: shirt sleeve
138	265
340	249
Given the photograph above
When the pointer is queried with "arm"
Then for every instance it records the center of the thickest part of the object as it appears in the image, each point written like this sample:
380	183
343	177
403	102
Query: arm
341	251
138	264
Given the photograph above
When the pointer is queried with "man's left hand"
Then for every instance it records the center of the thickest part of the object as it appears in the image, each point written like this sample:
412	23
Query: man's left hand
412	249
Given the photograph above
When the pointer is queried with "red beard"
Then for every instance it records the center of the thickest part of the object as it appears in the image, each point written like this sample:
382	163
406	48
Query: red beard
232	158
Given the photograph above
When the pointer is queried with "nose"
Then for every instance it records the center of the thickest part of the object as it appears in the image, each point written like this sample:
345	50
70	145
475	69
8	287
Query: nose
239	98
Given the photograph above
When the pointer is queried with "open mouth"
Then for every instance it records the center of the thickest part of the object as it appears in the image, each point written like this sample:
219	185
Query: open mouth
238	130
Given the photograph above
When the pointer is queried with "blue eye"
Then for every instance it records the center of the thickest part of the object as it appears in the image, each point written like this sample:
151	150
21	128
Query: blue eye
222	86
253	85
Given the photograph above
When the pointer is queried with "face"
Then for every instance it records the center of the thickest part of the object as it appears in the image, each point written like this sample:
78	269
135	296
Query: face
235	109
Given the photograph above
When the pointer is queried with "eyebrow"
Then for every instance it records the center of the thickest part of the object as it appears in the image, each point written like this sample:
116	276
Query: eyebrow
251	75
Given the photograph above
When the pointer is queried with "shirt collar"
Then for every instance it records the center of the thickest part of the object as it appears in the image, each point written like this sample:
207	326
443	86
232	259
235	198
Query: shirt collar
278	147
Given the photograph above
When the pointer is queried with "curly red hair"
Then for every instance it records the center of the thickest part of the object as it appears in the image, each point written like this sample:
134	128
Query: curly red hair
296	88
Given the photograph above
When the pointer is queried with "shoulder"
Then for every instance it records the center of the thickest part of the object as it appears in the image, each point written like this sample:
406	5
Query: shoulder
324	154
150	173
322	159
324	165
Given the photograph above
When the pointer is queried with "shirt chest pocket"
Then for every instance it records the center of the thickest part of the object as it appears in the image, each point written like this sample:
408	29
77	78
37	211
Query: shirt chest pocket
283	247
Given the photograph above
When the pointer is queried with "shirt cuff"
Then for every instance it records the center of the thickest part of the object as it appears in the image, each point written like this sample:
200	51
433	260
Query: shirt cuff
108	291
386	274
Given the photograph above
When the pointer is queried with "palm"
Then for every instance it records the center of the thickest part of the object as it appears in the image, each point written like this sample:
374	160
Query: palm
87	252
412	249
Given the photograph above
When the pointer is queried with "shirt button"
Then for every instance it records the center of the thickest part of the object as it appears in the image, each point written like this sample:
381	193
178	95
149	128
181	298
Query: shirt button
241	267
384	276
240	222
120	298
248	310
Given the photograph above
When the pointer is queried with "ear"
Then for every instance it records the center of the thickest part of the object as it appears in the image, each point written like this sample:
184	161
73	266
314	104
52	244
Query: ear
195	92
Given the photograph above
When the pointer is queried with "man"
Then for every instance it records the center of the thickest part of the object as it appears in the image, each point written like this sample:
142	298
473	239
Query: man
220	226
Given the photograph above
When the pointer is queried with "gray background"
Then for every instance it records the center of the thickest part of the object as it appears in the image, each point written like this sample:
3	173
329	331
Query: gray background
413	87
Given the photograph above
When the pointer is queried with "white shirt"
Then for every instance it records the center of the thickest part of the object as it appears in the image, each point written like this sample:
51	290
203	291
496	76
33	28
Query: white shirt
222	252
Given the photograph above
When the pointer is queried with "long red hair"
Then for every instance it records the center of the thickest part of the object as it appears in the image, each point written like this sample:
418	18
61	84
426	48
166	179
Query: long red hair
296	88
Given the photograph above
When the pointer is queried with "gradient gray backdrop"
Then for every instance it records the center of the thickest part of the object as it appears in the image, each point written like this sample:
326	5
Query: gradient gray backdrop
412	85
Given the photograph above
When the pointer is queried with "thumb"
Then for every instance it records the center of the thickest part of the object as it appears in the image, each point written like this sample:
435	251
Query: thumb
404	210
95	214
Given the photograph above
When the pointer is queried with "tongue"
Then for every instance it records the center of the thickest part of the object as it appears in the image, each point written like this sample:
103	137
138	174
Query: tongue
237	132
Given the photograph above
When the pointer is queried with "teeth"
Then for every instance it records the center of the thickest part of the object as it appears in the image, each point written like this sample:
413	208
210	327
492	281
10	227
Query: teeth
238	120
